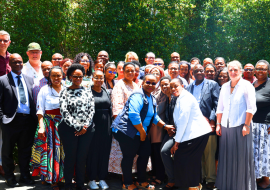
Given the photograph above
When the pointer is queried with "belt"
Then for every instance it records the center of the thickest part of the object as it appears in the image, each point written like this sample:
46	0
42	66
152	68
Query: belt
22	114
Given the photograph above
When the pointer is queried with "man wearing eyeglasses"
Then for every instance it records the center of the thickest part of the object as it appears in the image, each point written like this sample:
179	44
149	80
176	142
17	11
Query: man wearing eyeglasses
249	71
4	69
149	60
159	62
32	67
56	59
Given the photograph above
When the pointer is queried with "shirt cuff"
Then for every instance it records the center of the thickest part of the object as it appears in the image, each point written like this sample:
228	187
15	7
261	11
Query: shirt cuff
40	112
251	111
219	111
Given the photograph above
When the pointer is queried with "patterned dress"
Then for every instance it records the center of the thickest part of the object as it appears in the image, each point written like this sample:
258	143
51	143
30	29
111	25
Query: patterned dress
47	157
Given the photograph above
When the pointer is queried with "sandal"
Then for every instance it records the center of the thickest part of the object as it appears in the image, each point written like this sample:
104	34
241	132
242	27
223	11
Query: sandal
126	187
55	186
155	182
147	186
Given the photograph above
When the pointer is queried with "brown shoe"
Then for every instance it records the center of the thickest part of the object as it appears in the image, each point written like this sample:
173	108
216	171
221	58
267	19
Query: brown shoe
2	171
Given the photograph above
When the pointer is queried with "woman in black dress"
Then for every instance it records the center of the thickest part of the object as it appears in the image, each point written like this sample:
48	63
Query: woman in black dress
99	152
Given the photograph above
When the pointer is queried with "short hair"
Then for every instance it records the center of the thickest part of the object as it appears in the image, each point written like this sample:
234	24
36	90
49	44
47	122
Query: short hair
136	63
3	32
219	58
109	64
97	71
235	62
198	65
174	62
98	61
128	63
225	69
149	66
49	78
195	58
132	53
78	58
120	63
164	78
74	67
179	80
263	61
210	65
144	77
65	60
146	55
161	71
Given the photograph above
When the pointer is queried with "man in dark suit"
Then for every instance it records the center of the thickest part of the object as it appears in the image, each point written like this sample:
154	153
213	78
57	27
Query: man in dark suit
206	93
18	120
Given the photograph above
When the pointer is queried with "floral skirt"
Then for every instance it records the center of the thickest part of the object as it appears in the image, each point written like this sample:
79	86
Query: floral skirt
261	147
48	155
116	157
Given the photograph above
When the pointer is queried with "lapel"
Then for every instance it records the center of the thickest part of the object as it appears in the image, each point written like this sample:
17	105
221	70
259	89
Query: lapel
29	87
12	84
204	88
192	88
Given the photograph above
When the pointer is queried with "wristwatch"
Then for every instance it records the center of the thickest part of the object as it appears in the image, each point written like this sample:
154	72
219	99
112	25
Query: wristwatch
164	126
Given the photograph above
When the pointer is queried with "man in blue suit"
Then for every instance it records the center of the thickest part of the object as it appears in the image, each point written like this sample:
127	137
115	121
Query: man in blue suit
206	93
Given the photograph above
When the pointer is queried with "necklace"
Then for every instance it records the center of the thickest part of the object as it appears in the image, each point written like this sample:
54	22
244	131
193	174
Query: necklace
231	85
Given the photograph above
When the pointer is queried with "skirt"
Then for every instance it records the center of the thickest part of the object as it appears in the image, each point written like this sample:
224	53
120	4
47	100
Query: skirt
116	157
235	161
261	149
187	162
48	155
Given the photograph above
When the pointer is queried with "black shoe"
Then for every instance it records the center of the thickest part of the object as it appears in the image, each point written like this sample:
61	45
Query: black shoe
11	182
26	180
210	185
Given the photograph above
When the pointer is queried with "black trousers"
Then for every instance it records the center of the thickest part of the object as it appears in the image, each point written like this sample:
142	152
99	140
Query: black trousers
20	131
130	147
157	164
76	150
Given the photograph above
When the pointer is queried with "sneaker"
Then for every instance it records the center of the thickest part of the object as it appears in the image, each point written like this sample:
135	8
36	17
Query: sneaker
93	185
103	184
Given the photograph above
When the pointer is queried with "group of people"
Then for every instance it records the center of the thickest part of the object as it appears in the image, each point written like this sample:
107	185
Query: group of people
193	123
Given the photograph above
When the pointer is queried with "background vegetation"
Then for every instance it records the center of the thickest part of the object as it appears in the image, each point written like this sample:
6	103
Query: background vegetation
195	28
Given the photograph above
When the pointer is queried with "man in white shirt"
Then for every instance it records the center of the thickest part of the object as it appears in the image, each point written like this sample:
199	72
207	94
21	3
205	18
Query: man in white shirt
173	71
32	67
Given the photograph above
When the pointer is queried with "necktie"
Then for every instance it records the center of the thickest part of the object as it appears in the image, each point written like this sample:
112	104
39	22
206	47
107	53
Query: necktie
21	90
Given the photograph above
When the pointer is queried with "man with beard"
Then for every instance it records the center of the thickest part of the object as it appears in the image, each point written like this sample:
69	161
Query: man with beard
45	67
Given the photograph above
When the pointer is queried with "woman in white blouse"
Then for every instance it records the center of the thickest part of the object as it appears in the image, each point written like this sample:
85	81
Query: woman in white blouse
236	107
47	156
192	133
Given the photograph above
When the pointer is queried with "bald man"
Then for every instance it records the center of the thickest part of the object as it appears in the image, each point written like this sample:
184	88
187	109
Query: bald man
104	56
175	57
45	67
249	71
18	119
56	59
207	61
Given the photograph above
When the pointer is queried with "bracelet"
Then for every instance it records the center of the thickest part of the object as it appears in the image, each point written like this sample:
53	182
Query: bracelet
218	123
246	125
164	126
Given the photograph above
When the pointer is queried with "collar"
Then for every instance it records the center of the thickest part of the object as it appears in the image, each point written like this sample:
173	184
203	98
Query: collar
14	75
194	83
28	65
7	55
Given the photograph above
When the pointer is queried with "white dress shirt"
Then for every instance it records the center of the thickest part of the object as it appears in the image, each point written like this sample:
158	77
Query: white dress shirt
234	106
188	118
48	99
197	91
22	108
31	72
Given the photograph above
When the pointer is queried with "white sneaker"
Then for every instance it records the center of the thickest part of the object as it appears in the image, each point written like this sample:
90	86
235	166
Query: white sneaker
93	185
103	184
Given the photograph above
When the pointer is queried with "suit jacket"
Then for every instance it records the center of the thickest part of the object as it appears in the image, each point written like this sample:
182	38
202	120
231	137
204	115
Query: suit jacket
209	98
9	98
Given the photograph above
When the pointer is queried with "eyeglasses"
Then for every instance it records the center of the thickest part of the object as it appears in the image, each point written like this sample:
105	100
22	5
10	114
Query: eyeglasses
235	70
173	69
158	64
249	70
197	71
153	83
209	72
261	69
112	72
57	59
98	78
156	74
77	77
5	41
85	61
223	77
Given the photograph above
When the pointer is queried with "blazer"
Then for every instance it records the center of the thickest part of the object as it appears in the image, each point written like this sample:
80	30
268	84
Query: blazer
9	98
209	98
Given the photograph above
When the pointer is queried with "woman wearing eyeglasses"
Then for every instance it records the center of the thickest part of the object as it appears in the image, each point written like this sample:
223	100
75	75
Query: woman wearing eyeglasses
87	62
47	156
261	125
110	72
100	147
210	71
130	129
76	130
